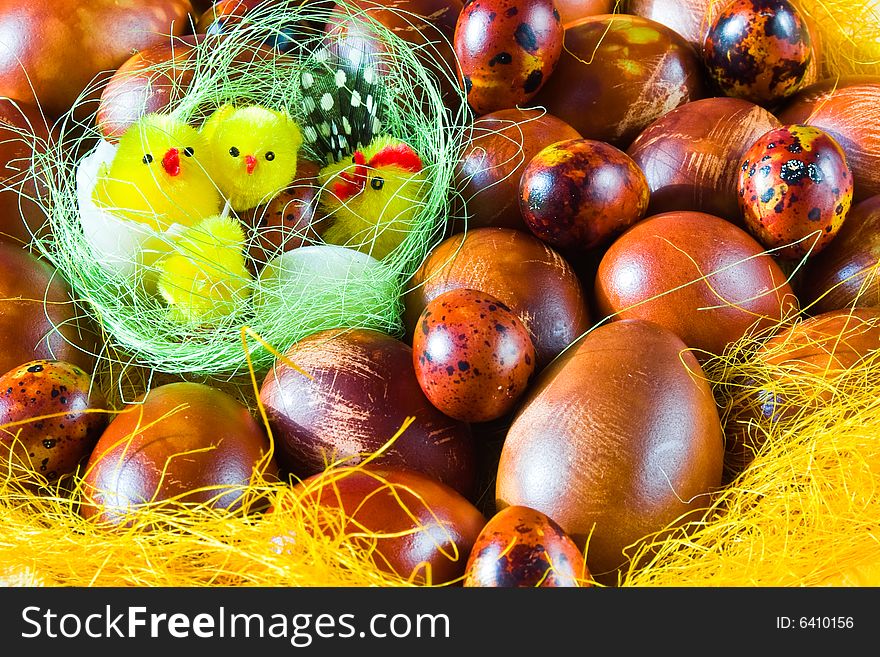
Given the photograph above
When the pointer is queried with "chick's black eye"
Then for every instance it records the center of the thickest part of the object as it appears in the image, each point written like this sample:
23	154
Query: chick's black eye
377	183
270	156
188	151
147	159
234	152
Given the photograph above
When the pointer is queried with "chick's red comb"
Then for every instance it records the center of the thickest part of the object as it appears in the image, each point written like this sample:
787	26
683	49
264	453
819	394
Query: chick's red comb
401	155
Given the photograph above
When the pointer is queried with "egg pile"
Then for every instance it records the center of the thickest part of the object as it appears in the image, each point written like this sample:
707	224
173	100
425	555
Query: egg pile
638	192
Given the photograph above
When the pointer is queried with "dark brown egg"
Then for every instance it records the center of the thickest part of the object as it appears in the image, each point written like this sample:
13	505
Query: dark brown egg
46	416
616	440
695	274
691	156
521	547
619	73
52	49
473	357
500	145
422	530
507	50
518	269
845	274
795	190
849	110
758	50
359	392
579	194
186	442
38	317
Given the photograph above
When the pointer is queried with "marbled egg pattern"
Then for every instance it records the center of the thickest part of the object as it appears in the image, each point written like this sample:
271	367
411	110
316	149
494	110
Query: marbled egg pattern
793	183
473	357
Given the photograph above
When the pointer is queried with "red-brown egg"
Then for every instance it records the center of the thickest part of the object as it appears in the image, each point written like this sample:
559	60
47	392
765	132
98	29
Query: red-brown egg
507	50
619	73
50	416
758	50
500	145
518	269
695	274
359	390
573	10
416	527
795	190
691	156
472	356
579	194
186	442
521	547
618	438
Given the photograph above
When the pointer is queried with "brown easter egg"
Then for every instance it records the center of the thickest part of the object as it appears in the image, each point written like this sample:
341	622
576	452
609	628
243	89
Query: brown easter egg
521	547
518	269
472	356
617	439
359	392
46	419
507	50
695	274
691	156
573	10
186	442
795	190
579	194
500	146
617	74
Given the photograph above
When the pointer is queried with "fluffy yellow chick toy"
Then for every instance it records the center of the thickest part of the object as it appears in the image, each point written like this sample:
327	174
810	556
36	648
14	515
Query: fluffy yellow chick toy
205	279
157	176
253	152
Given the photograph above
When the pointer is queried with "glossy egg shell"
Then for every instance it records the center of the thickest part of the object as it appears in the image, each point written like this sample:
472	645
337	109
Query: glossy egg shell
52	446
525	274
507	50
499	147
522	547
691	156
617	74
758	50
362	390
689	18
184	441
695	274
574	10
579	194
616	440
472	356
795	190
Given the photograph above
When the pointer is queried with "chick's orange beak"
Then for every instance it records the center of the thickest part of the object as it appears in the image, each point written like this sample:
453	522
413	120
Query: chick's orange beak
250	163
171	162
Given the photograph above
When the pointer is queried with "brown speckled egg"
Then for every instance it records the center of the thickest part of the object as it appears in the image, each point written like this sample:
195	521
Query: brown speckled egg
758	50
522	547
507	49
52	446
795	190
579	194
473	357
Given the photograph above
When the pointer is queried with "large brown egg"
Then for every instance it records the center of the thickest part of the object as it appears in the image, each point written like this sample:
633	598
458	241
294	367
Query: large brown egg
521	547
695	274
691	156
38	317
500	145
847	272
52	49
359	392
619	73
186	442
417	528
616	440
517	268
849	110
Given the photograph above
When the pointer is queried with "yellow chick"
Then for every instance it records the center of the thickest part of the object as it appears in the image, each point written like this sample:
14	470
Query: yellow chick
372	201
205	278
157	176
253	152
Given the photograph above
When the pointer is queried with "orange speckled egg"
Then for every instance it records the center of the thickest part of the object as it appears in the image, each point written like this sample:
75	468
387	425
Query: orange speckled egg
473	357
795	190
507	49
522	547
